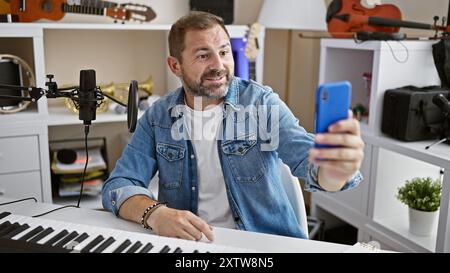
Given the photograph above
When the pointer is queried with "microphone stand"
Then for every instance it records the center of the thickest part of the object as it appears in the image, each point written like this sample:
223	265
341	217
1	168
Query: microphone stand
35	93
437	143
87	97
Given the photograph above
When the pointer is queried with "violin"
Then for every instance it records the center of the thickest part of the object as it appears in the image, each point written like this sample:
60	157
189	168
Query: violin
347	17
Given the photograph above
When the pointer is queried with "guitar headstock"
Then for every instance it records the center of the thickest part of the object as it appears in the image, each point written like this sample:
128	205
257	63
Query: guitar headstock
132	12
252	47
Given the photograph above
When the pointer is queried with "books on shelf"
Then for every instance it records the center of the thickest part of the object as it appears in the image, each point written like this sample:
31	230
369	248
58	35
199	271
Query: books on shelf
90	187
70	184
68	176
95	162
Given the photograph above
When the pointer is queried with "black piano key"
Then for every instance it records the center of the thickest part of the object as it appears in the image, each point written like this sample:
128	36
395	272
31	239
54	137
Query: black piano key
67	239
146	248
4	225
5	228
92	244
165	249
9	229
30	234
134	247
82	237
122	246
41	235
104	245
177	250
4	214
57	237
16	231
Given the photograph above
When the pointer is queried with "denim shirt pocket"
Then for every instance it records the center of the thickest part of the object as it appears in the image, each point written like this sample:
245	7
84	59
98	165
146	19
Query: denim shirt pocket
245	159
170	163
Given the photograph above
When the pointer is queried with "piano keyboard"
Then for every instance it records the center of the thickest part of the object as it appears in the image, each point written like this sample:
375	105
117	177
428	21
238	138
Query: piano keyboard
38	233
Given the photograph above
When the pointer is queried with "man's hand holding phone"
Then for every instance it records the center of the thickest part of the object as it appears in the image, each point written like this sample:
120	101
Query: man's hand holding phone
339	148
338	164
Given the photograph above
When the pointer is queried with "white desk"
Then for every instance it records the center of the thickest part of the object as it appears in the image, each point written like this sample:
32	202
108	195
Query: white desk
228	237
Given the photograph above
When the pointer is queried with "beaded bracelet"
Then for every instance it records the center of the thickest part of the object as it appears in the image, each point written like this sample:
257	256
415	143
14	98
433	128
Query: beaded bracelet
149	211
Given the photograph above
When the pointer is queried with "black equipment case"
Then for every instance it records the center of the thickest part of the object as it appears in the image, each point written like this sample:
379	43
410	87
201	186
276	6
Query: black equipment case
409	113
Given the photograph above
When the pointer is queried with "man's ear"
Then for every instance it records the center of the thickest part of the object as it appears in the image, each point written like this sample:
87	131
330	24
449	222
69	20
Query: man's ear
174	65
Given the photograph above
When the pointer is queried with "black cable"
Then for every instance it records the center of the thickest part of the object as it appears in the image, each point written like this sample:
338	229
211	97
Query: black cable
86	132
20	200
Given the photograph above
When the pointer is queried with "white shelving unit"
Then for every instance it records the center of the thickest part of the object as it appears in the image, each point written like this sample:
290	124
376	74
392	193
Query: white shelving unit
372	207
118	52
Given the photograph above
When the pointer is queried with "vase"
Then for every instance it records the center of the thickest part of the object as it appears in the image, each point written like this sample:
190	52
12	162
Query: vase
421	223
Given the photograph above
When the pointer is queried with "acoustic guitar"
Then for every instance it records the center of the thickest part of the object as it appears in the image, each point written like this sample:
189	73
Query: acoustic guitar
33	10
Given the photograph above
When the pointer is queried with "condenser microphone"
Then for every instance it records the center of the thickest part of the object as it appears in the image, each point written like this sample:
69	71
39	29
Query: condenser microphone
87	99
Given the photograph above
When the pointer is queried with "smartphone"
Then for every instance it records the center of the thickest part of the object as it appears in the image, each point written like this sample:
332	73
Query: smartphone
332	105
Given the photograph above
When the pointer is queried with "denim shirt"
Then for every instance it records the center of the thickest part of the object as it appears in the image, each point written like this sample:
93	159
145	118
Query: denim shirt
249	156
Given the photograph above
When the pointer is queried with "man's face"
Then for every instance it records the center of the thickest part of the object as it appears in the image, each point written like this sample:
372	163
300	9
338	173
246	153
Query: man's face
207	64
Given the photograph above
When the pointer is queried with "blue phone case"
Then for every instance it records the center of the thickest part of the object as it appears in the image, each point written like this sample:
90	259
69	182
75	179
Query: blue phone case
332	105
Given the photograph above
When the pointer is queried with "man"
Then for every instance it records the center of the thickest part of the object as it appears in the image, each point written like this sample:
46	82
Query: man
217	143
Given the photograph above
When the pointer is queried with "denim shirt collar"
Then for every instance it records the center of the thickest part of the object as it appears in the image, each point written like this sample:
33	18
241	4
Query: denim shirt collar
231	98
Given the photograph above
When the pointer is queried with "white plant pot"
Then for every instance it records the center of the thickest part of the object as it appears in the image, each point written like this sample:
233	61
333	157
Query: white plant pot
421	223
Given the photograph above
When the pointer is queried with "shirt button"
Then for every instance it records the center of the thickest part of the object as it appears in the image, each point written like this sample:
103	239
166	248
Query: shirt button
193	188
113	203
192	156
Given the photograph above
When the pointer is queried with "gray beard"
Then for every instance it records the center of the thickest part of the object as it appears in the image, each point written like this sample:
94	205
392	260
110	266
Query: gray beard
198	90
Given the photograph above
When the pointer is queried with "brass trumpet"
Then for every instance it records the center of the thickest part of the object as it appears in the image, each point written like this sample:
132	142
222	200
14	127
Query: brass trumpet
119	91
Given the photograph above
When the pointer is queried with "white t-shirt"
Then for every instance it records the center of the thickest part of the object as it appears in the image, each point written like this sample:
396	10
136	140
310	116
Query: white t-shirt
202	128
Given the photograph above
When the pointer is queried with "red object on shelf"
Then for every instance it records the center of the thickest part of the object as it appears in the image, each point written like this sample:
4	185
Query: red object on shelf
368	79
346	17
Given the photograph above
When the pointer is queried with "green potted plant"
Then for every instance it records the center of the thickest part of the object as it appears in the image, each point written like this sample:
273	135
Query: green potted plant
423	197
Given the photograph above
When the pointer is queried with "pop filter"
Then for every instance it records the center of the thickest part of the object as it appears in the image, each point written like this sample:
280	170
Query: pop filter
132	107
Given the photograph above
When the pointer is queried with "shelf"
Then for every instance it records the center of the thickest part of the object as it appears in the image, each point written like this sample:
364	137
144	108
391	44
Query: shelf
438	155
399	226
59	115
35	29
22	116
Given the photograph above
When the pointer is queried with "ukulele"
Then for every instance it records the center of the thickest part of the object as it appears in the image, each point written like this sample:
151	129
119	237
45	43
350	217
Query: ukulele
252	48
33	10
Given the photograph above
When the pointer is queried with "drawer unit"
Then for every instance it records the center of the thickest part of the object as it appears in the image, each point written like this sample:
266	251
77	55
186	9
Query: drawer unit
21	185
18	154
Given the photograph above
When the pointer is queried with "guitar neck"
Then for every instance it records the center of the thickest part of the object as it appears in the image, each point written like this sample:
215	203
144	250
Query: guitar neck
252	70
83	9
98	3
